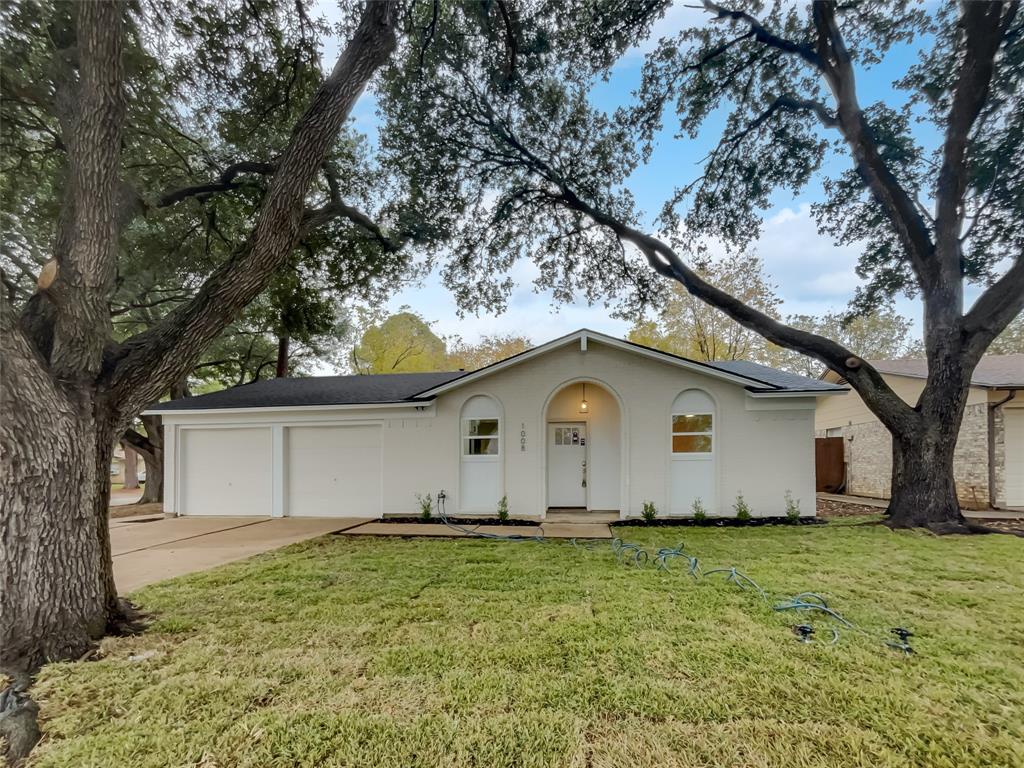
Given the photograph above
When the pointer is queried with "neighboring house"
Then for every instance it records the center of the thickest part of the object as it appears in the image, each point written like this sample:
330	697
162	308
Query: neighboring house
586	421
119	463
989	461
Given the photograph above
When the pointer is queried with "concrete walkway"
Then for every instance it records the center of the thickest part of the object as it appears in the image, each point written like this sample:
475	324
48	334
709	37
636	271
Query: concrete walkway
971	514
151	549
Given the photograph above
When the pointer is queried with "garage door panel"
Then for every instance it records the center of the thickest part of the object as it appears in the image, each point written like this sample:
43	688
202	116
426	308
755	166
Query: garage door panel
226	471
334	471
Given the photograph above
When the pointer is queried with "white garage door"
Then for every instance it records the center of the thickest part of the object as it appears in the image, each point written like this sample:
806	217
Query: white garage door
1014	430
226	471
334	471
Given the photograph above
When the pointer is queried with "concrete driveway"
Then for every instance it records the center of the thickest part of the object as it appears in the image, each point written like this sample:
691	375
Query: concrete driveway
151	549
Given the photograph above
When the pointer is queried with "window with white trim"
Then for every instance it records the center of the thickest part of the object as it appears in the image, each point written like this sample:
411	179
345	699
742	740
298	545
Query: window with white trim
692	432
481	437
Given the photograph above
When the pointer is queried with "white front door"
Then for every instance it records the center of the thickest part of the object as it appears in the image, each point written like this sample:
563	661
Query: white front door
567	465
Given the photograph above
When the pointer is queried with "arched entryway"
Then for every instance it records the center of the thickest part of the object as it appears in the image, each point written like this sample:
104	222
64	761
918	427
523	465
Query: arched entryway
583	447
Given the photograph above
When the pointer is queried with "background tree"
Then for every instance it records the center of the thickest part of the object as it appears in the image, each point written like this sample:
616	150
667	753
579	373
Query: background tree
687	326
1010	341
463	355
881	334
550	174
401	343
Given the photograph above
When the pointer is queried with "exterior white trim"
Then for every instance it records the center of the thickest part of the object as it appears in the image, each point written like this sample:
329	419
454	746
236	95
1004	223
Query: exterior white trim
170	413
277	485
799	393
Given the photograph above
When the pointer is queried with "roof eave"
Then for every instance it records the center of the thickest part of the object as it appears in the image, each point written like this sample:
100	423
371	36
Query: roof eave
419	403
760	393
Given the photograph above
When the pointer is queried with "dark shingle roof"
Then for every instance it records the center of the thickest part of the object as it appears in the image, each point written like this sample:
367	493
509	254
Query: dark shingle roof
315	390
773	378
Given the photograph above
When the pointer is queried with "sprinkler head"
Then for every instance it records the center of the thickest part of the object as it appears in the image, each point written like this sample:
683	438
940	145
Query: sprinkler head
902	633
804	632
902	644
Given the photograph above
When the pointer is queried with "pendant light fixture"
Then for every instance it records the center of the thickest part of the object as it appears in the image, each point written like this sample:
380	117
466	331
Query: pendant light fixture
584	405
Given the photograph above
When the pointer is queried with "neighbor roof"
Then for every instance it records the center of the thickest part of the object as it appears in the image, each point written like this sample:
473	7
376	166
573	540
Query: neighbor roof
993	371
411	388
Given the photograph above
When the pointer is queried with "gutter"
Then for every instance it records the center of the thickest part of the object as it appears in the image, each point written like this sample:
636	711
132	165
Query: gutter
992	444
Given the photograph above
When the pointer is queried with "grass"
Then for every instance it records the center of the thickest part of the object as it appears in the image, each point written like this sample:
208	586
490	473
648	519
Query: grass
417	652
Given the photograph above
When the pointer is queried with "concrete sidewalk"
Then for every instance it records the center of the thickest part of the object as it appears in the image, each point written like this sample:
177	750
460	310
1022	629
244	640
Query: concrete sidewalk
148	549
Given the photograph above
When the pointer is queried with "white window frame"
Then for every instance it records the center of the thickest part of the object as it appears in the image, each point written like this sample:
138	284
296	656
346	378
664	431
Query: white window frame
464	435
691	454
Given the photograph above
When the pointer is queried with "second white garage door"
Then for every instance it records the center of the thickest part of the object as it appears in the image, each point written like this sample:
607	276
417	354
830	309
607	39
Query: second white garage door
225	472
333	471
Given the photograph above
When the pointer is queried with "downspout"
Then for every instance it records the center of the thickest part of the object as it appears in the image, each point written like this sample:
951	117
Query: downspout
992	445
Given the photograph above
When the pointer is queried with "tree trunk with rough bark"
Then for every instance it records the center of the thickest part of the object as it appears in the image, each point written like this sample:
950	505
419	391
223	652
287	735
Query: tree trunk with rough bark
131	467
282	357
69	392
153	491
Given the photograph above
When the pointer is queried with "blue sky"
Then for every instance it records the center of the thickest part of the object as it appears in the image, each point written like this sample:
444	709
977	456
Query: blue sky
812	275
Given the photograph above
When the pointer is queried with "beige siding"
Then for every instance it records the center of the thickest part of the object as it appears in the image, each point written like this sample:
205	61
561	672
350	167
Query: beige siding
844	411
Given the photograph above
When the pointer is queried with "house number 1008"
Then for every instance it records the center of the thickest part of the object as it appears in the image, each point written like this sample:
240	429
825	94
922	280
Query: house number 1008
522	437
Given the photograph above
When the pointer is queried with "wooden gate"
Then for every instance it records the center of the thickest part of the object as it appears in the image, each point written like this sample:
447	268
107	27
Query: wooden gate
829	469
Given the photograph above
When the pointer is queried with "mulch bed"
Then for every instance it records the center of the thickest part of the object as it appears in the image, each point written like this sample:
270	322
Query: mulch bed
465	521
828	508
713	522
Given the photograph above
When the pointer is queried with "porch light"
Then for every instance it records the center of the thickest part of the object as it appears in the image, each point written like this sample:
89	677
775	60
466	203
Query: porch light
584	406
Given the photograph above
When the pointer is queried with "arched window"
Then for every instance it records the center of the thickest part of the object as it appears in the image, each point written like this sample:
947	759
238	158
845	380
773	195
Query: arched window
481	427
480	451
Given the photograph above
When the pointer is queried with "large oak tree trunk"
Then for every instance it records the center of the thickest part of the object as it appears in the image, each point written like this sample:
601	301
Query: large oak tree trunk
68	393
52	598
923	492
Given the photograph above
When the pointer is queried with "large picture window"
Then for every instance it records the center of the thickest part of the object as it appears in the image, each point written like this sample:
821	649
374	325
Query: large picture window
692	432
480	437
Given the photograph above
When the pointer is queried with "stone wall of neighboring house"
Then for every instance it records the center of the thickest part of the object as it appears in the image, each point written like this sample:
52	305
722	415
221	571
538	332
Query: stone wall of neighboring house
868	454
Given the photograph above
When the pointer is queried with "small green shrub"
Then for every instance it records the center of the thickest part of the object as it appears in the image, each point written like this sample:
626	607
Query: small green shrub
650	511
700	514
742	508
503	509
792	509
426	505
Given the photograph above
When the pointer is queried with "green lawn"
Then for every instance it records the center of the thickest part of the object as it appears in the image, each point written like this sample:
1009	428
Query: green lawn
390	652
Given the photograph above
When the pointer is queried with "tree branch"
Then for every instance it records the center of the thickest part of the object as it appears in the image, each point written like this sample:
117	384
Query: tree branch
982	28
890	408
899	206
224	183
994	310
86	270
139	370
763	35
